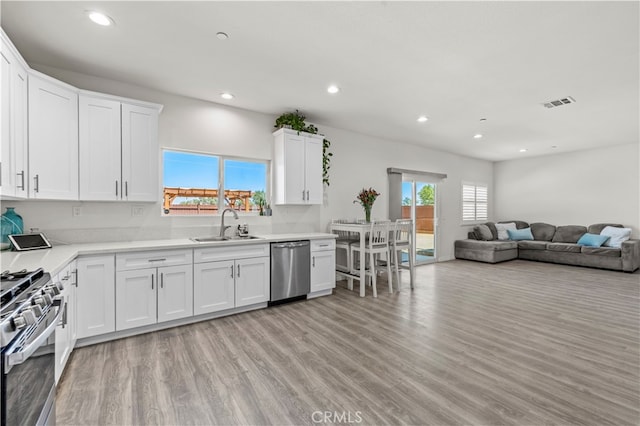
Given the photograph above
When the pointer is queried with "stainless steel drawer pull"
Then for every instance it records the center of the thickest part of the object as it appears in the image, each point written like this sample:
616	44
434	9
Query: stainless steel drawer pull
151	282
238	271
116	188
231	271
161	280
323	245
36	183
126	188
313	261
158	260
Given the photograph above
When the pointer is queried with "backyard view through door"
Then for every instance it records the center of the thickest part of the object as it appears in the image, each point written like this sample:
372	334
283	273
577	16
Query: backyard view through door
418	203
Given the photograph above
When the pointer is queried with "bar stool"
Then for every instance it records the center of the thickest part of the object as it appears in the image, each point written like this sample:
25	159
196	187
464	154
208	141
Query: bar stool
401	239
376	244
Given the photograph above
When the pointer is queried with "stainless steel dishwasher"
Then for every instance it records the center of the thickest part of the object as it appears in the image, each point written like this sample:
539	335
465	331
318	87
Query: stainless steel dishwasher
290	271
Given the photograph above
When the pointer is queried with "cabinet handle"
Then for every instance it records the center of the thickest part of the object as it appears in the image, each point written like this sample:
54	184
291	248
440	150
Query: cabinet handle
323	245
36	183
64	315
313	261
161	279
303	195
116	187
307	195
126	188
238	271
158	260
75	277
231	271
151	281
21	174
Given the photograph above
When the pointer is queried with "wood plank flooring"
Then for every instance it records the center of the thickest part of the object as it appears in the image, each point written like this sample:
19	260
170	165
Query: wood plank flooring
518	343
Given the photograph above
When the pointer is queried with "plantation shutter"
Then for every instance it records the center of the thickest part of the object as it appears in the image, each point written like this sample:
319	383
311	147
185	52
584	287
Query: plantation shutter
475	202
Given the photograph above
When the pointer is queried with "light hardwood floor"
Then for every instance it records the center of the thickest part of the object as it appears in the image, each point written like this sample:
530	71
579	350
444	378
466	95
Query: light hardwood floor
520	343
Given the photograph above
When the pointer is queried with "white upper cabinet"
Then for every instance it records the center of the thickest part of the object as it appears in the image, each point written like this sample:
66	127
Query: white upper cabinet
13	156
297	167
118	146
100	158
140	153
53	139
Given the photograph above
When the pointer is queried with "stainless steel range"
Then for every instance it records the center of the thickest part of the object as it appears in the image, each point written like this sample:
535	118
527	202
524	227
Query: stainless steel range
29	313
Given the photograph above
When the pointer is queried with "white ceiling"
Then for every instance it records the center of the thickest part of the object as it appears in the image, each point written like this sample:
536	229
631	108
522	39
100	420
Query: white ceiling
455	62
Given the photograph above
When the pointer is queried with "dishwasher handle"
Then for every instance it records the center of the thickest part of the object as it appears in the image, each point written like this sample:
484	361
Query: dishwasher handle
294	244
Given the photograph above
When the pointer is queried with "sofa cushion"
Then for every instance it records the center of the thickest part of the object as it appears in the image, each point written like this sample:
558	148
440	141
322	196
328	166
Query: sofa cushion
592	240
486	245
519	224
542	231
564	247
483	233
597	228
493	228
503	235
602	251
616	236
520	234
532	245
569	233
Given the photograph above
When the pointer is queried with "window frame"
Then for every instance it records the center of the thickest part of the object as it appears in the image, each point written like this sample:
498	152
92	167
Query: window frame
476	202
221	159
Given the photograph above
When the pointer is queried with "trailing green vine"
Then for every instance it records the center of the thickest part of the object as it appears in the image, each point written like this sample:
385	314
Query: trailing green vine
295	121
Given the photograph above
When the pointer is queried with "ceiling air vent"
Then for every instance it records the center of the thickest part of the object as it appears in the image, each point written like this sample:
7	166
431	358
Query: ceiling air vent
559	102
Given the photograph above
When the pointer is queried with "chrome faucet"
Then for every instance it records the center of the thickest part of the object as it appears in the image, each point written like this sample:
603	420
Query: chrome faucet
222	227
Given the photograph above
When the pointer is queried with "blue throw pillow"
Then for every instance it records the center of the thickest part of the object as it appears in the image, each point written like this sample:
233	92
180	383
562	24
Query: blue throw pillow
520	234
593	240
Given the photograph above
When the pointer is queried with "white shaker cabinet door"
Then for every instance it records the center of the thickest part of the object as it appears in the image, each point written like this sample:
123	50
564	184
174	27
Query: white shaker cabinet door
252	281
53	139
313	170
100	159
95	296
136	298
323	267
175	293
140	153
213	286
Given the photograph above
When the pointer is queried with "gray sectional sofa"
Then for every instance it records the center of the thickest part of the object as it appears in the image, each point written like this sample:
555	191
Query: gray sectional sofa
555	244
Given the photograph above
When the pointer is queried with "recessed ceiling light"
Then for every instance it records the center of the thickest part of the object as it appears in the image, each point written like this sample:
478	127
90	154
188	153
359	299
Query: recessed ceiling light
422	119
333	89
477	136
226	95
523	150
100	18
222	36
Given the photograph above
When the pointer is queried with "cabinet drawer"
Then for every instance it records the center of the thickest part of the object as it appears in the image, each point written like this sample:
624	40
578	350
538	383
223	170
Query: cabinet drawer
322	245
211	254
152	259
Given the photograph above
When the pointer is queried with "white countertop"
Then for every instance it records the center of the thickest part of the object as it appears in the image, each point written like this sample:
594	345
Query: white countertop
54	259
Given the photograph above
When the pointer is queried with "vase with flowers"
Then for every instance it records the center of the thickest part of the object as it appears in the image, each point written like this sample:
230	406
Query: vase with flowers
366	198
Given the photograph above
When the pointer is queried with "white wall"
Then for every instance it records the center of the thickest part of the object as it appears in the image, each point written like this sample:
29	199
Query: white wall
577	188
185	123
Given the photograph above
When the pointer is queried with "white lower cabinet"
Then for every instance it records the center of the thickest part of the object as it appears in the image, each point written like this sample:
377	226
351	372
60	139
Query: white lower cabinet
65	336
154	294
96	299
323	265
228	277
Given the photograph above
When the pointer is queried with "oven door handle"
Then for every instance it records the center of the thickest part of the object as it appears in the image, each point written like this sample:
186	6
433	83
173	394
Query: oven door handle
18	358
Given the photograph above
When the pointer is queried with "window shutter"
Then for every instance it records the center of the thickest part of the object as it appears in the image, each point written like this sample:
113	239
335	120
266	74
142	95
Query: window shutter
475	202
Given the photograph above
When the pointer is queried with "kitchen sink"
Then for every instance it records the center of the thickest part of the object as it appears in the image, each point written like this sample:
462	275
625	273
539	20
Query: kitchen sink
217	238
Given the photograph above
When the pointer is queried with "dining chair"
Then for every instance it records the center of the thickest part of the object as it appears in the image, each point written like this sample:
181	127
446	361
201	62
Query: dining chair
376	244
343	242
401	240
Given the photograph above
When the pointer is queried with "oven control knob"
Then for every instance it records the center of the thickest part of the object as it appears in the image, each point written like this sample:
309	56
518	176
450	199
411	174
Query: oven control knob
47	298
29	316
54	289
37	310
19	323
39	301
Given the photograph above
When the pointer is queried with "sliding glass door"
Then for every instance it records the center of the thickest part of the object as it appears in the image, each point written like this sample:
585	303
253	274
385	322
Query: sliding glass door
419	204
